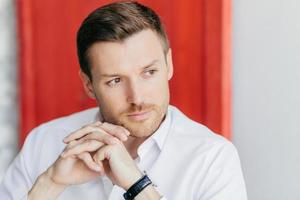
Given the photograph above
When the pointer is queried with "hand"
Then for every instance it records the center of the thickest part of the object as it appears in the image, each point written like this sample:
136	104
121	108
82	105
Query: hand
81	168
111	156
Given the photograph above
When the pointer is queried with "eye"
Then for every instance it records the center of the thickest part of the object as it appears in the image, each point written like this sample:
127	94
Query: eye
150	72
113	82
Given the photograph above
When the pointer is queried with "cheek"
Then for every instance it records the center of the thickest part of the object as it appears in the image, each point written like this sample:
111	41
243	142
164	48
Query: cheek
160	90
110	99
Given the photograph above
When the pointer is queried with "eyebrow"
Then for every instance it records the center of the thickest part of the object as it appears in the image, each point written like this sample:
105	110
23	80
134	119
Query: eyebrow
145	67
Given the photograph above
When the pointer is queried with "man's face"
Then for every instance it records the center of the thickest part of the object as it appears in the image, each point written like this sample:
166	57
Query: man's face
130	81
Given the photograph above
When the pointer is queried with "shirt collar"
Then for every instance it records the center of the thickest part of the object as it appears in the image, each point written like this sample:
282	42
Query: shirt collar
161	133
157	138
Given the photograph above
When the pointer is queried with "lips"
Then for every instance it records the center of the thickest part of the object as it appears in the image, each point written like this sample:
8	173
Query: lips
139	116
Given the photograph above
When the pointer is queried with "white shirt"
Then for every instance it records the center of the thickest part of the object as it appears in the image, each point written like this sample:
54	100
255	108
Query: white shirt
183	158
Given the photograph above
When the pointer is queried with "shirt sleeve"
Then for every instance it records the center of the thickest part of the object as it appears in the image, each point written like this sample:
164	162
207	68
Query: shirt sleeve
224	179
17	181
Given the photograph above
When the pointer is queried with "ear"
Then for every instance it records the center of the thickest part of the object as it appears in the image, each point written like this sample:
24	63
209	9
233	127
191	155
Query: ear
169	64
87	84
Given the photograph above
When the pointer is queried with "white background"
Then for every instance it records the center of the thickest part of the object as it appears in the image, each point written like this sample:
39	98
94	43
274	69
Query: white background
8	91
266	98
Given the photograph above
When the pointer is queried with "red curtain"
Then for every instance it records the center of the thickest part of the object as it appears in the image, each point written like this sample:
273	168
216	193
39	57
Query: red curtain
199	32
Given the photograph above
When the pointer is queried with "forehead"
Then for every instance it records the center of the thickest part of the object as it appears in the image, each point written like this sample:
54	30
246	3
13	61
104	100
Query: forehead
136	51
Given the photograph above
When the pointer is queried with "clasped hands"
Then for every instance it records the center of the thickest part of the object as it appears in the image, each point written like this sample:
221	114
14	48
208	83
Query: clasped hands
94	150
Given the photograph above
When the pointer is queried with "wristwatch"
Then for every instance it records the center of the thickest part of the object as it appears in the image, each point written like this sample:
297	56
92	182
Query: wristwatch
137	187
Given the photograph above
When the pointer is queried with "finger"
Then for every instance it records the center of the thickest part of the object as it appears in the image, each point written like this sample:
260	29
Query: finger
85	146
117	131
97	123
81	133
71	144
89	162
107	139
102	154
101	137
105	131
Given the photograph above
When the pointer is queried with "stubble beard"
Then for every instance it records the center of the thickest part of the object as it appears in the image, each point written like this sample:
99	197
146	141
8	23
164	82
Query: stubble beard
138	129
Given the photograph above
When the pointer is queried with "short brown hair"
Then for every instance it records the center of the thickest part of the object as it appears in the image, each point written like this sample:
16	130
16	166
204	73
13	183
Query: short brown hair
115	22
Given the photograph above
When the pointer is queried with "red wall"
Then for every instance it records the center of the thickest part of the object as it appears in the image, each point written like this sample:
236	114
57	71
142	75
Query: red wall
199	32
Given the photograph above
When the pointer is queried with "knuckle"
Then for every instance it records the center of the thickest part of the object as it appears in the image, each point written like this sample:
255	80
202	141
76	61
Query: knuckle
81	140
119	129
98	123
87	137
105	123
90	129
107	139
70	145
97	131
89	142
96	135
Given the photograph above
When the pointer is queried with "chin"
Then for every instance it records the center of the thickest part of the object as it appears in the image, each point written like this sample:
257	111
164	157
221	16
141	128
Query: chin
141	130
140	135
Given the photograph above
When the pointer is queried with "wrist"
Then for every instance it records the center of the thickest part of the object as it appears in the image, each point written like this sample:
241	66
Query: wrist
142	189
133	179
45	188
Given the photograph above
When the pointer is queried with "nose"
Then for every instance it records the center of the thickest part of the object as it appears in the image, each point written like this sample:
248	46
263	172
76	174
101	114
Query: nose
134	93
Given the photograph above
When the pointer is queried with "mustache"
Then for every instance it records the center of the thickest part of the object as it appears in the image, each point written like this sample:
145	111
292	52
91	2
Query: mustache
138	108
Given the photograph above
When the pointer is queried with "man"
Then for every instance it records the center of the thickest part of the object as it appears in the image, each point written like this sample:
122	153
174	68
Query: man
104	153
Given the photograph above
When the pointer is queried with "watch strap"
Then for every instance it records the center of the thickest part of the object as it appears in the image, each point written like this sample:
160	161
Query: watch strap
137	187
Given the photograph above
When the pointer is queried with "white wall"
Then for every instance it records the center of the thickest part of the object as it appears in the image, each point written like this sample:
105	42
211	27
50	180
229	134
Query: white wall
266	98
8	91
